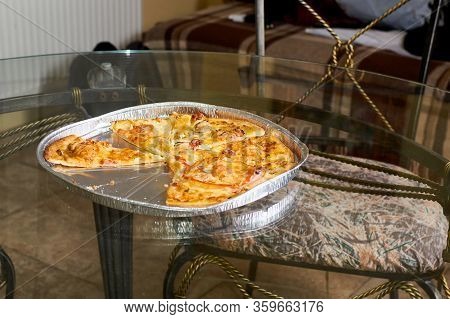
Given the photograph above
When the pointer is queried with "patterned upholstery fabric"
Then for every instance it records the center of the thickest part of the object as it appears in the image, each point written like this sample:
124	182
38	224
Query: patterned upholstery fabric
348	230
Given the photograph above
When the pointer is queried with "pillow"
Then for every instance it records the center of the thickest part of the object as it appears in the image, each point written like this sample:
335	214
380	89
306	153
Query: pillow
412	15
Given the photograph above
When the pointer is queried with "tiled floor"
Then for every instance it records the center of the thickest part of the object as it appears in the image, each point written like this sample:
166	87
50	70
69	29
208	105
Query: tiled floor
49	233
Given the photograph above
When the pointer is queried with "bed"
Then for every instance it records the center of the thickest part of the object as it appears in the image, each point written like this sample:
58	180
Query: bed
213	30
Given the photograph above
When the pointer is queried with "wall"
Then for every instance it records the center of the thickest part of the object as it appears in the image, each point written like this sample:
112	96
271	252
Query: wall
30	27
154	11
35	27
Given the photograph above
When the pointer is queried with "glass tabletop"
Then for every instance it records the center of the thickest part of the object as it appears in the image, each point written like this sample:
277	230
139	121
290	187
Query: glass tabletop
371	136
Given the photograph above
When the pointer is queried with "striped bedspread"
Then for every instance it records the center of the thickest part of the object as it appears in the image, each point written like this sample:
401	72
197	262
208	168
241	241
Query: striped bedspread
212	30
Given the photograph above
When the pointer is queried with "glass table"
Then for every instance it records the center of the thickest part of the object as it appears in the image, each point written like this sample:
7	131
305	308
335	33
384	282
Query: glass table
366	195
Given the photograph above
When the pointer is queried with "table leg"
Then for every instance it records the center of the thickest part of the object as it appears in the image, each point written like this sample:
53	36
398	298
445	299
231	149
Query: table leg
115	244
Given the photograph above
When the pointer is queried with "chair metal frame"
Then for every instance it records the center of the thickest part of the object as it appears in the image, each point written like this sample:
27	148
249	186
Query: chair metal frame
7	274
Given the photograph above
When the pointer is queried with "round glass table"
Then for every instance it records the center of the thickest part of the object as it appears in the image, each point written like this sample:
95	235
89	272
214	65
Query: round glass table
370	203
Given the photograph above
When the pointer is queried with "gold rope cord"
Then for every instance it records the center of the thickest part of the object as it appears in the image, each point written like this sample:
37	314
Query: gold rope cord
435	193
347	49
351	180
235	275
444	283
409	288
22	136
142	92
369	191
240	281
174	254
377	168
76	97
43	129
48	120
384	289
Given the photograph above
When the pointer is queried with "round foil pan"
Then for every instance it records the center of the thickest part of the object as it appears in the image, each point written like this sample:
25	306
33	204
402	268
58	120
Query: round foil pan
247	221
142	189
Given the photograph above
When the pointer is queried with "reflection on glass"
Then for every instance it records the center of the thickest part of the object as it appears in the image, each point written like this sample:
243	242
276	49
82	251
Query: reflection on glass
106	76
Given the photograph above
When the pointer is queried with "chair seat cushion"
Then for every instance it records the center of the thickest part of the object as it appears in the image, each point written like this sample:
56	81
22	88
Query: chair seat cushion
362	232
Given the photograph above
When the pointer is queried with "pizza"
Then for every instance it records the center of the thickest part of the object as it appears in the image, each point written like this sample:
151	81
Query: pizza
74	151
214	132
147	134
229	171
210	159
266	151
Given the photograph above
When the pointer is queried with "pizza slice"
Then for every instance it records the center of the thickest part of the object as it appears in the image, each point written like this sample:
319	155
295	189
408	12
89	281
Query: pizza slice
148	134
235	129
212	180
158	135
189	193
185	123
266	151
230	170
277	158
74	151
156	127
214	132
224	171
184	157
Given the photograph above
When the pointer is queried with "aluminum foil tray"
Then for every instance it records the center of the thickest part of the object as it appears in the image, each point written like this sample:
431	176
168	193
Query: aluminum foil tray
250	220
142	189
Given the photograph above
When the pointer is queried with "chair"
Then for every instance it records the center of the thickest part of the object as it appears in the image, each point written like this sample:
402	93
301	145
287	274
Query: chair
376	235
396	230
